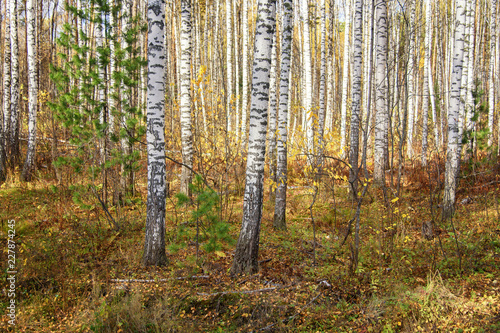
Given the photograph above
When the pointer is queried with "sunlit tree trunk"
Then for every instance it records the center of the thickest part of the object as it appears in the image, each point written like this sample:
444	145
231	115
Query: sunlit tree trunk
331	76
427	75
381	97
185	94
126	173
244	88
2	116
112	90
236	73
322	77
229	64
463	118
345	76
245	258
411	78
272	118
14	87
279	221
491	77
307	79
356	94
29	164
6	87
454	140
154	245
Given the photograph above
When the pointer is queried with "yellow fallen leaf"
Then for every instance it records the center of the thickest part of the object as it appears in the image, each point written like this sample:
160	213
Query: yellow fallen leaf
220	254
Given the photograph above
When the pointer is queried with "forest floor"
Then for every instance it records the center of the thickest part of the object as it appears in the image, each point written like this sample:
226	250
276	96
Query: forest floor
76	274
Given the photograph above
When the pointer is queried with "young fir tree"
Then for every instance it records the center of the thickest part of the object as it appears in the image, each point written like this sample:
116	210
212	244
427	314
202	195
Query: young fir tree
80	109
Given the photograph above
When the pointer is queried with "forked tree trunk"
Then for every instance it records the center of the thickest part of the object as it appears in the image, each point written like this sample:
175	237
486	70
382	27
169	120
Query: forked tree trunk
279	221
247	249
154	244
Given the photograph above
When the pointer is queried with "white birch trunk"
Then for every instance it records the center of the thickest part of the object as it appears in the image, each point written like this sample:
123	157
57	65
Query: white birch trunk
411	79
185	96
454	139
244	97
491	77
112	91
29	164
154	245
272	117
345	77
229	64
246	255
307	83
381	96
14	87
279	221
6	82
236	74
322	78
427	74
430	80
356	94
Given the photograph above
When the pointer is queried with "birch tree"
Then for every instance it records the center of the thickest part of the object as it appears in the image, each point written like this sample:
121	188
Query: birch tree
427	82
6	83
244	96
245	258
273	110
229	64
381	97
279	221
454	139
14	87
154	245
185	95
491	77
29	164
307	78
345	76
322	77
2	129
411	78
356	94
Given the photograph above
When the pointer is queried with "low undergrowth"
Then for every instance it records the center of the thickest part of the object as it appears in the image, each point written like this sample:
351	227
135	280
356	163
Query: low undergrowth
76	274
